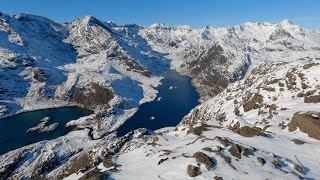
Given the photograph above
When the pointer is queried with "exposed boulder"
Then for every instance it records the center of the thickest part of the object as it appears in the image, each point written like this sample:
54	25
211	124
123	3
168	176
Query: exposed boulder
312	99
247	131
299	168
298	141
253	103
162	160
307	66
193	171
235	150
197	130
39	75
223	141
308	122
203	159
261	160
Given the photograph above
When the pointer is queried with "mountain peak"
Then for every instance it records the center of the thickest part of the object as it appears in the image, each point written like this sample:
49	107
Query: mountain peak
111	23
158	25
90	21
286	22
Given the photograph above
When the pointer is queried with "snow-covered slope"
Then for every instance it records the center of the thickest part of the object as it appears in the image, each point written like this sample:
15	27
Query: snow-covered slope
265	126
213	57
45	64
256	80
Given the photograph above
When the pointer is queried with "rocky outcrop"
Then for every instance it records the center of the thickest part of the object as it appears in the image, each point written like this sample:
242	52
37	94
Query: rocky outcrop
253	103
97	96
247	131
203	159
308	122
193	171
312	99
235	150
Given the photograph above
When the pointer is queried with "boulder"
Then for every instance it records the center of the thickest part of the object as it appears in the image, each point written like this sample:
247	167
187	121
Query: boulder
193	171
261	160
308	122
312	99
203	159
235	150
254	103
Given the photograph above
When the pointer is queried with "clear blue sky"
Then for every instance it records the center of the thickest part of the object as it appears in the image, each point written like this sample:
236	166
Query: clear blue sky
196	13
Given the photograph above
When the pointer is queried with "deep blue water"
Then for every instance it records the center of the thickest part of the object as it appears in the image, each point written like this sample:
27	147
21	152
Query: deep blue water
13	129
175	103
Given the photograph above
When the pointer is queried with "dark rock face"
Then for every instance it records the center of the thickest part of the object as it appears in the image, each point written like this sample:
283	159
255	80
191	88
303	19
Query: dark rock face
307	122
218	178
253	103
162	160
279	33
9	168
95	174
206	73
299	168
98	95
298	141
223	141
204	159
193	171
82	162
197	130
39	75
247	131
307	66
312	99
261	160
235	151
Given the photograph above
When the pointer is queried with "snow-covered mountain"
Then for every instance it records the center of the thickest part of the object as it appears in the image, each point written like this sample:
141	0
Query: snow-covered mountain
45	64
258	82
213	57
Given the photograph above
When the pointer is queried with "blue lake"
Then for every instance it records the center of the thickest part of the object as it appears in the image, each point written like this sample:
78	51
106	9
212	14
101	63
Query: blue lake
13	129
176	97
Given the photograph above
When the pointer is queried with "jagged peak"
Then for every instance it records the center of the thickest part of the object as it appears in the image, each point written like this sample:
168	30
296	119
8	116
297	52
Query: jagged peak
175	27
90	21
111	23
158	25
286	22
208	27
248	24
132	26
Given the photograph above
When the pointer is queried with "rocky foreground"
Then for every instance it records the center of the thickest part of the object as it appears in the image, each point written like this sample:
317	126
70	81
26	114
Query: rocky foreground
265	126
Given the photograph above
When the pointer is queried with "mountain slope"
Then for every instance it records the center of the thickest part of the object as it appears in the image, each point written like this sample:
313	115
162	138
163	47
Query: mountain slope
263	126
214	57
